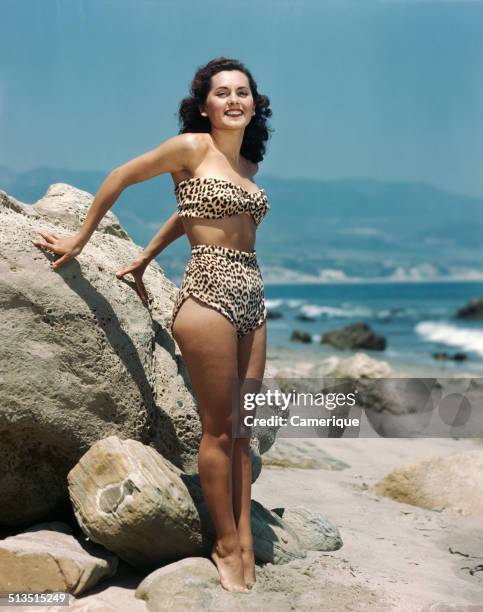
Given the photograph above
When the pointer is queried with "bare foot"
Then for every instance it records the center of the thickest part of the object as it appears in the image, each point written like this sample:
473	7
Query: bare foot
230	568
248	559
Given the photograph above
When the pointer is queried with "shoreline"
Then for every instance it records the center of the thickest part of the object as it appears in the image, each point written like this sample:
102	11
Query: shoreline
286	356
376	280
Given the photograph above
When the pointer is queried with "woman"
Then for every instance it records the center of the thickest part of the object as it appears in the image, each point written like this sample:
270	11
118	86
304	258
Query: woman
219	317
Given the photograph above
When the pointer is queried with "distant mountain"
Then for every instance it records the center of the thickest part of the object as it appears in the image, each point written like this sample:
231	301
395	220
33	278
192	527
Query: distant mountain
316	230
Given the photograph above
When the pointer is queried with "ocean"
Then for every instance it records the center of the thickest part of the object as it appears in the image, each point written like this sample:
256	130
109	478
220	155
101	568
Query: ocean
416	319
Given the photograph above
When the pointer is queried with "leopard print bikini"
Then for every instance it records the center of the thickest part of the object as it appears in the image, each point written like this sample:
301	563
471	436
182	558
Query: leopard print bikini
228	280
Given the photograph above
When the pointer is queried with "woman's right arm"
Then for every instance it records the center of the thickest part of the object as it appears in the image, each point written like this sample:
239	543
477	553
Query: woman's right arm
168	233
180	152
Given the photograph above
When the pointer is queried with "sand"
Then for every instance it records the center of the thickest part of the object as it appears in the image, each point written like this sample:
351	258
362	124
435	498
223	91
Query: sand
396	552
395	557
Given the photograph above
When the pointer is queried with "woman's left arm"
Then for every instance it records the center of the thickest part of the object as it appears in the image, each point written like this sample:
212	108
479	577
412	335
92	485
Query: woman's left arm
169	232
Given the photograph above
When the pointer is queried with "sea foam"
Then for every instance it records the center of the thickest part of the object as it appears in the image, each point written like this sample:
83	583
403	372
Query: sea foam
451	335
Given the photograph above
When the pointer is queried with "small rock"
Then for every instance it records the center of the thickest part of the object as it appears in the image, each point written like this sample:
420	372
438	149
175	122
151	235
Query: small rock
314	530
300	336
274	314
274	540
305	317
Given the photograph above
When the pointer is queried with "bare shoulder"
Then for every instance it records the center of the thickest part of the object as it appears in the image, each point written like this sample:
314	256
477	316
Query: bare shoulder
198	144
191	148
195	146
194	141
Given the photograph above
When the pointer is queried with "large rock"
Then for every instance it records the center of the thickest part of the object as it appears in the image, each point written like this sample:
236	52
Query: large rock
47	557
193	584
355	336
115	594
186	585
357	366
137	504
472	311
81	358
133	501
453	482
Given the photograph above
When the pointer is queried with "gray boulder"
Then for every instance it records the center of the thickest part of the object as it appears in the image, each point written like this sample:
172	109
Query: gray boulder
355	336
313	529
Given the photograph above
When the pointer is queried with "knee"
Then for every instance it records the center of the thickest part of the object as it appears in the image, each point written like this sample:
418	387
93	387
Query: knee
221	439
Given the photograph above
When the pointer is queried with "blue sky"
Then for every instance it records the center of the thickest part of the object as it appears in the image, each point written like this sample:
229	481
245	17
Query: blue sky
389	89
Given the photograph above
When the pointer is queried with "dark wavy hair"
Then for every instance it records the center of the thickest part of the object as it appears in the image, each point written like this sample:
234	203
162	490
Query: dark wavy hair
256	132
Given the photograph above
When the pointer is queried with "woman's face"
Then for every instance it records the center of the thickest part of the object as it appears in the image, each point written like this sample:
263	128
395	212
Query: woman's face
230	90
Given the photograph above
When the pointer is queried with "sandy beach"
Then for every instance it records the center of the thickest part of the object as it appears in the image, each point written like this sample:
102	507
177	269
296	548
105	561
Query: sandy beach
395	556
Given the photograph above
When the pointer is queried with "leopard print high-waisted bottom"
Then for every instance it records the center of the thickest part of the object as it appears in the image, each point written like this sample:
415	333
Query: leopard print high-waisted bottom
229	281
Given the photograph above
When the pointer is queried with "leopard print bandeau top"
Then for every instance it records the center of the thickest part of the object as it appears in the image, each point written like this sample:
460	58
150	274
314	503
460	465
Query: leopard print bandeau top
215	198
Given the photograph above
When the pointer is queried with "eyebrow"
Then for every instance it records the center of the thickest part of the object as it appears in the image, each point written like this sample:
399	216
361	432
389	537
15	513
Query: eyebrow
226	87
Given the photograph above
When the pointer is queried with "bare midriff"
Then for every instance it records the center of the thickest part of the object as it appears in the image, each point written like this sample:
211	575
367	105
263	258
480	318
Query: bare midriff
237	232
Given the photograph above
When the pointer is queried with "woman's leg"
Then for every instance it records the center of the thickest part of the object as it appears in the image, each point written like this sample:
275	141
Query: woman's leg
208	344
252	350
